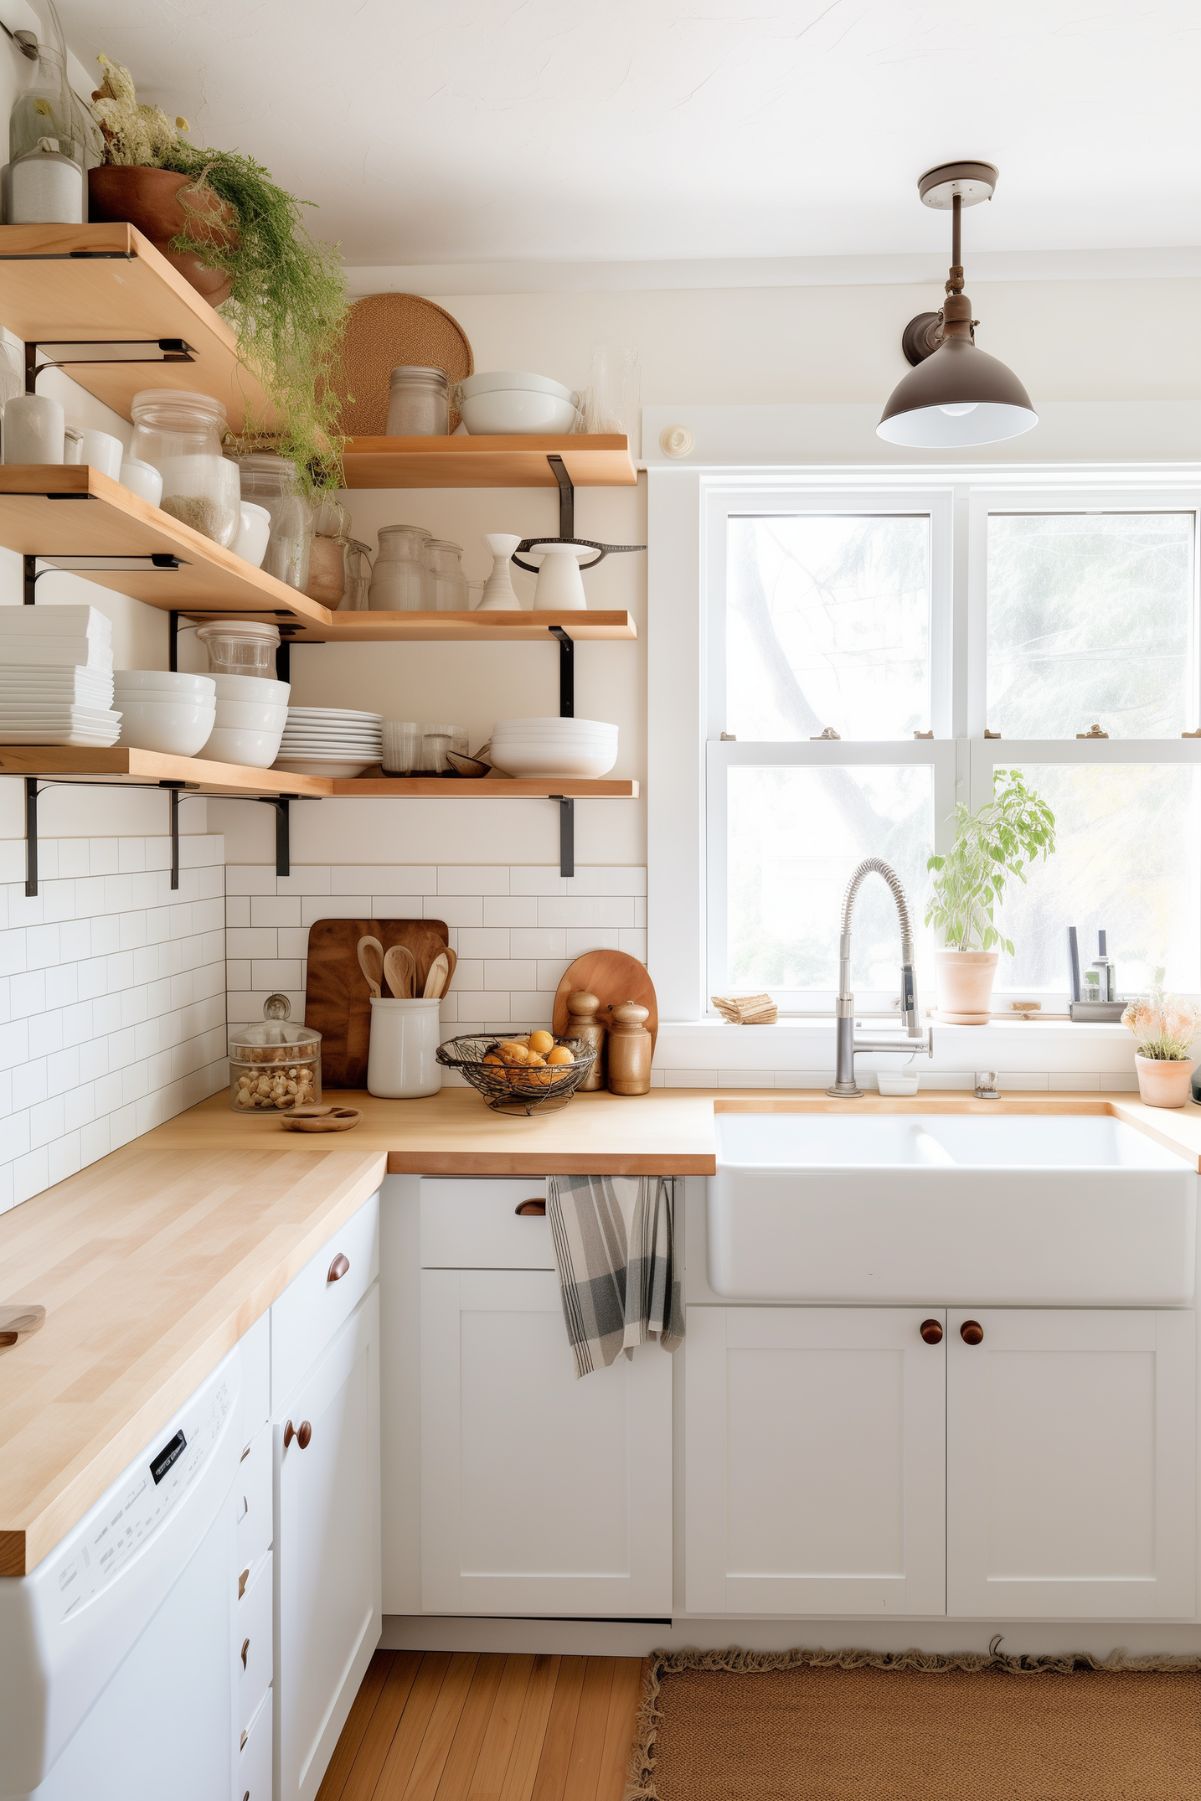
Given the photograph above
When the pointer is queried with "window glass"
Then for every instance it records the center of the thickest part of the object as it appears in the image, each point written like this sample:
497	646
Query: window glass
794	837
1128	859
828	624
1091	617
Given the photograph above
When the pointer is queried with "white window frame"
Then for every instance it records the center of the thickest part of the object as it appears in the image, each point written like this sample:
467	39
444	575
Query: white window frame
687	513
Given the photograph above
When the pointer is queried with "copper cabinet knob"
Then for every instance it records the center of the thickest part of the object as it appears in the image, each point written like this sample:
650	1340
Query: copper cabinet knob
972	1332
338	1268
302	1434
534	1208
931	1331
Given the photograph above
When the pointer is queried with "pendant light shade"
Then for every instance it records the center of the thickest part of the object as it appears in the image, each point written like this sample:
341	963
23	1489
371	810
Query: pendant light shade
957	395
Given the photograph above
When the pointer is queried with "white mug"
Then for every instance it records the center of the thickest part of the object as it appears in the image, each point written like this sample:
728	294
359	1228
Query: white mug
34	429
401	1064
103	452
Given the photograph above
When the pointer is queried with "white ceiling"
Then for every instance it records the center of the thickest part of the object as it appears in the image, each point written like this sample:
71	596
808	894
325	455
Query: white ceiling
453	131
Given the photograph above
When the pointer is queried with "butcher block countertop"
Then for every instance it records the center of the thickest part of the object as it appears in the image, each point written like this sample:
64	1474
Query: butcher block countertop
153	1262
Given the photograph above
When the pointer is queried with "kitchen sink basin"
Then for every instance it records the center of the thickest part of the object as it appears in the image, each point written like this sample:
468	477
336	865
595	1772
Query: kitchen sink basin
1013	1209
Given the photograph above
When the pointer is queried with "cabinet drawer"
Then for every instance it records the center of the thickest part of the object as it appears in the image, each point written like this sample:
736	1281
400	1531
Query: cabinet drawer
475	1224
252	1647
253	1504
252	1758
321	1299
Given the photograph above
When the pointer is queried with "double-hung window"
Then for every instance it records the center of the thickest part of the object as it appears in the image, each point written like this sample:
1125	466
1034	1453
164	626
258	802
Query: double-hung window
875	652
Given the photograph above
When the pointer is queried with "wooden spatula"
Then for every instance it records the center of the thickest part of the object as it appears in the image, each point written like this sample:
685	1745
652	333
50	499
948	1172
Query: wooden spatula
437	976
400	971
371	962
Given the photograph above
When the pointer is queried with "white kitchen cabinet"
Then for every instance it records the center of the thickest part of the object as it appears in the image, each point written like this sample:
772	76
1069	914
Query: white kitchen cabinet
813	1462
541	1493
1071	1465
327	1547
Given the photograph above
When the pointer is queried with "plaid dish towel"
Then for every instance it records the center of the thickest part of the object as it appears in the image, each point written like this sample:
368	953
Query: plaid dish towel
614	1242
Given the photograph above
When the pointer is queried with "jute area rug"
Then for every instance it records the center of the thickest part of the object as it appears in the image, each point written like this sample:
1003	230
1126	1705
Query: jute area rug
854	1726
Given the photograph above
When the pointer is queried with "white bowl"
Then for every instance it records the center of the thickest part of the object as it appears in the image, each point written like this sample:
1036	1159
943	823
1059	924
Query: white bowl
517	410
142	479
173	726
343	766
254	530
521	380
251	687
557	721
240	744
251	715
164	684
532	760
592	734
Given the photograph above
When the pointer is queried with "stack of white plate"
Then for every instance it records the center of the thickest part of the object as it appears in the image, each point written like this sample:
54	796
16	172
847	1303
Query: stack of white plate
330	741
251	715
56	677
548	747
166	711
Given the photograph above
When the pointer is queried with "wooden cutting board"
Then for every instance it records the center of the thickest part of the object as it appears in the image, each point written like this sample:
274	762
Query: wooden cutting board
337	1002
613	977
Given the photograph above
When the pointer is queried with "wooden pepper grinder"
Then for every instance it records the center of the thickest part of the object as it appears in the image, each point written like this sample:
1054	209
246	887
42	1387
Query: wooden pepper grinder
630	1049
582	1022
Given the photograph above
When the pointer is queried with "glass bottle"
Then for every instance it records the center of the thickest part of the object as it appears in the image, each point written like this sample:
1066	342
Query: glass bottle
179	433
449	582
271	482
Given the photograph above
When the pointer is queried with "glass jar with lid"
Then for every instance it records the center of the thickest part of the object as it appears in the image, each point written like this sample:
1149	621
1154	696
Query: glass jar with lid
271	482
179	433
449	582
274	1066
418	402
401	581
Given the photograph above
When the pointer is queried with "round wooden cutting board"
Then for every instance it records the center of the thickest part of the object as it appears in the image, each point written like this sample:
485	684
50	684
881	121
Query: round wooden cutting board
383	330
613	977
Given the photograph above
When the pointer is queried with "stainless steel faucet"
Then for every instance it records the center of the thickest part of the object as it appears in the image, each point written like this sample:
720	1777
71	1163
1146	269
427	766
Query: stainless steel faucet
917	1037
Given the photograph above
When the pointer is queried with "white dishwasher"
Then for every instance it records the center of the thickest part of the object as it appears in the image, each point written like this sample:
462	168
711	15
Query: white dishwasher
116	1678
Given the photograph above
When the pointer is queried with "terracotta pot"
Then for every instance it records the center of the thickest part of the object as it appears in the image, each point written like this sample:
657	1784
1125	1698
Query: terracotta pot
1162	1083
149	199
965	980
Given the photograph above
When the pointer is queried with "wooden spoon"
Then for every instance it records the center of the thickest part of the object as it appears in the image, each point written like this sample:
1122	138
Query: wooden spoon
437	977
371	962
452	963
400	971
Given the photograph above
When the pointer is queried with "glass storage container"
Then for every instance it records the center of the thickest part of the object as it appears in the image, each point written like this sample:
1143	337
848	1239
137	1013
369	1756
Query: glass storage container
179	433
240	647
449	582
274	1066
271	482
418	403
401	581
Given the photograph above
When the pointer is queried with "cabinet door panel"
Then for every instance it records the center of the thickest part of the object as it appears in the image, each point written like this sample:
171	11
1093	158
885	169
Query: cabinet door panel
814	1461
539	1493
1071	1483
327	1544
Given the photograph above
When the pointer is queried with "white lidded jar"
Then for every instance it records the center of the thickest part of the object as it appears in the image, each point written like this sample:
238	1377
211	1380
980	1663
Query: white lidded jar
418	402
180	433
402	1063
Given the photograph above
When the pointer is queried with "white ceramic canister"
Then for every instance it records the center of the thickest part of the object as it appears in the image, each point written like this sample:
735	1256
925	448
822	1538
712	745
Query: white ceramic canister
401	1061
33	429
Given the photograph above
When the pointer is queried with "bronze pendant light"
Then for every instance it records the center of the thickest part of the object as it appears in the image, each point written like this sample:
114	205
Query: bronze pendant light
956	395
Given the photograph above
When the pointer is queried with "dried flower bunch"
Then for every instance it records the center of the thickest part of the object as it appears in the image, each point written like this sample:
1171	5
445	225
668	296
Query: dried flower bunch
1164	1026
135	135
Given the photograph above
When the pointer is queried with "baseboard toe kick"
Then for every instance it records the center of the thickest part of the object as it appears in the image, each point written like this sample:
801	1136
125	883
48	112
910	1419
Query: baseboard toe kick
638	1638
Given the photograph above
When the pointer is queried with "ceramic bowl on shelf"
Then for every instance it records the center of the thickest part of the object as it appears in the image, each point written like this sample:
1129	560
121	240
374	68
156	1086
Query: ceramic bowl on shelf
342	768
250	687
518	411
142	479
257	749
177	727
549	746
164	684
254	530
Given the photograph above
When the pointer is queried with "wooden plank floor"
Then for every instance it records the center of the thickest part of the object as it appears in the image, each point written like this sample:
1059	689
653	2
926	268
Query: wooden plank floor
431	1726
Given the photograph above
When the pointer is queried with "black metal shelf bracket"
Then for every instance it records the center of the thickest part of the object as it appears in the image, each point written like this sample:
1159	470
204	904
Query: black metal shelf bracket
156	560
61	353
566	833
566	487
566	671
283	830
34	788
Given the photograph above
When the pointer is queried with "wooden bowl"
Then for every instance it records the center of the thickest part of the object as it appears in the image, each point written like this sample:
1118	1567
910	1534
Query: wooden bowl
320	1119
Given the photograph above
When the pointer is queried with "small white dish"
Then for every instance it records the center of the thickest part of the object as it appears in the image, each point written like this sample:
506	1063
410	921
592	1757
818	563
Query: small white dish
517	411
489	380
897	1082
252	716
250	687
533	761
173	726
102	451
142	479
343	768
242	744
164	683
254	530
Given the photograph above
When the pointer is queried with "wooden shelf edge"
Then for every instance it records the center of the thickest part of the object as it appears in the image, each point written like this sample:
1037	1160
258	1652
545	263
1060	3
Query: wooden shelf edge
68	763
375	787
524	626
512	461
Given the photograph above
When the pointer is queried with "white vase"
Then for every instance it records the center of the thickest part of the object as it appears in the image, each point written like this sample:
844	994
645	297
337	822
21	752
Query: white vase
401	1060
499	595
560	586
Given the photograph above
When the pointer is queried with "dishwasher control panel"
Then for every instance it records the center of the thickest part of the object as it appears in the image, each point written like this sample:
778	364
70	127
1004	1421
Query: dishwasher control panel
140	1501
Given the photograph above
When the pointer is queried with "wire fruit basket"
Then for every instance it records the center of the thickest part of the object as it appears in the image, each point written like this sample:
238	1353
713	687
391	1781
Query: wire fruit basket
517	1088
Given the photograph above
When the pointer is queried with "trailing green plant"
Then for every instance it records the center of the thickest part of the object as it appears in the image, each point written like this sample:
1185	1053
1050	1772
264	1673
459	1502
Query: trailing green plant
1000	840
287	302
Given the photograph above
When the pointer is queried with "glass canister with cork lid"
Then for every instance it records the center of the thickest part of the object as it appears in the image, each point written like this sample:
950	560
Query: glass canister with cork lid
180	434
274	1066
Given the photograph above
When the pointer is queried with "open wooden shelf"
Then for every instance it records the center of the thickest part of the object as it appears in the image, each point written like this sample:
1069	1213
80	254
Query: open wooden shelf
508	462
436	787
108	284
65	763
71	510
520	627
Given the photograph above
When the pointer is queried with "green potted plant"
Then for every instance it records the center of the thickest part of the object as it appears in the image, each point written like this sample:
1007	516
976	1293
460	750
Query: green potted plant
1164	1027
999	841
241	241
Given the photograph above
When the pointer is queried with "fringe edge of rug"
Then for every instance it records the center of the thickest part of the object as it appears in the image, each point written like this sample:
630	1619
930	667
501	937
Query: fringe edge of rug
641	1784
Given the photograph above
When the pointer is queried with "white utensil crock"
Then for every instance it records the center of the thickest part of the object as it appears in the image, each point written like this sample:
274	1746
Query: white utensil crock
404	1037
33	429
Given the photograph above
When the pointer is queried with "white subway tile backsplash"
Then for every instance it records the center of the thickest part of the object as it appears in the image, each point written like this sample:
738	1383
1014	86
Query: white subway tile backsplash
491	942
586	910
510	910
334	906
542	941
455	909
273	910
